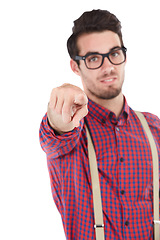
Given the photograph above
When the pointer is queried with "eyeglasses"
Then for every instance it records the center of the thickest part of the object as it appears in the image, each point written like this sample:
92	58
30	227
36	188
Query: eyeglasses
95	60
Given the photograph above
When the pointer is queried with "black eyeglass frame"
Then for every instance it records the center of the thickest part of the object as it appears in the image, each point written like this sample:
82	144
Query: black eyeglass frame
124	49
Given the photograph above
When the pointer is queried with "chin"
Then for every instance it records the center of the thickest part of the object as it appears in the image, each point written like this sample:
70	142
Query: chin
113	93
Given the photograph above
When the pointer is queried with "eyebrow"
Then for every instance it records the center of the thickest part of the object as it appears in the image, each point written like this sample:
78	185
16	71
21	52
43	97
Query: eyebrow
99	52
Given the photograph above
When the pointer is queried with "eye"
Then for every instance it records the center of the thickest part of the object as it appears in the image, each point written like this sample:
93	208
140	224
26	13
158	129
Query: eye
93	58
115	53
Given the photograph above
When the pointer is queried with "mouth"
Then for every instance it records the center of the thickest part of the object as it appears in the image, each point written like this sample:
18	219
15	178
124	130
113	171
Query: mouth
108	80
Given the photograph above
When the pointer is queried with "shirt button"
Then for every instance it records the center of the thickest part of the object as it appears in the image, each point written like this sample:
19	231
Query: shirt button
126	223
122	159
117	128
122	192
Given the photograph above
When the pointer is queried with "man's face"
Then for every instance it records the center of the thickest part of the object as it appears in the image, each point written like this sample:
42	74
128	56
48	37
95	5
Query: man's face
105	82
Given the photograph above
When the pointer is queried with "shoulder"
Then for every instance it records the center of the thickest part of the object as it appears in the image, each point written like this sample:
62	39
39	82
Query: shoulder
152	119
154	124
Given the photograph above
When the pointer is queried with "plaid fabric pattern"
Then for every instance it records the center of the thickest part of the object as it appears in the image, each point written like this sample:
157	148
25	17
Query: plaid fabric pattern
125	172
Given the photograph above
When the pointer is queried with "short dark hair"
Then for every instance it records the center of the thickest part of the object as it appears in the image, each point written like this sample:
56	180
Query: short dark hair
93	21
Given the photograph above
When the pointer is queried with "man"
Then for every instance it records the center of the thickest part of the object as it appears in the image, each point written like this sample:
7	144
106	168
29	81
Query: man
123	153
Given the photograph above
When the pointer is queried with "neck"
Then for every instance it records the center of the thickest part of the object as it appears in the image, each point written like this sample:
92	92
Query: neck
115	105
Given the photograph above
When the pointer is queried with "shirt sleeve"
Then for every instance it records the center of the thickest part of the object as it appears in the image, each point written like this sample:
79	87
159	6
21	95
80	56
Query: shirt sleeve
58	145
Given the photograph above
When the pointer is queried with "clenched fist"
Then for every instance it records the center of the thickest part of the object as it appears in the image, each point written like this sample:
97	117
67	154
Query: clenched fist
67	106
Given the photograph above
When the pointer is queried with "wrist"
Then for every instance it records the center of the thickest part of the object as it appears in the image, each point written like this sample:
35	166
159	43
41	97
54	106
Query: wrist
57	131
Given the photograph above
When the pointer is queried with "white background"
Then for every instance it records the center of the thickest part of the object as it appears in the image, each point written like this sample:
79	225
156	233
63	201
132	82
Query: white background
33	60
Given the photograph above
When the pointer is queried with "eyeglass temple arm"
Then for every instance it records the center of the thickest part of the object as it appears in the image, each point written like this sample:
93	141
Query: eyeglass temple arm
79	58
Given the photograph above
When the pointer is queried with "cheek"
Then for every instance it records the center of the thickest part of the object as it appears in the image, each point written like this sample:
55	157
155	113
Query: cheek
121	71
88	80
88	75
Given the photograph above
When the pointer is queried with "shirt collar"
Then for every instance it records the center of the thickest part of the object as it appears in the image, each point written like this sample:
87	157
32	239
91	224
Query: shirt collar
104	115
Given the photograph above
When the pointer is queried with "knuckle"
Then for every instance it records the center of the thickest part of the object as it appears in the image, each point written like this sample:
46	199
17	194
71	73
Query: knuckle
54	91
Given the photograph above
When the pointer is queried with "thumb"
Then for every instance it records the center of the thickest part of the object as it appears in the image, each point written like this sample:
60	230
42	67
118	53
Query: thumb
81	99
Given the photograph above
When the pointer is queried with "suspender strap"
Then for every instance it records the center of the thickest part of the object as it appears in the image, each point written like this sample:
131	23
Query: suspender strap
155	160
97	202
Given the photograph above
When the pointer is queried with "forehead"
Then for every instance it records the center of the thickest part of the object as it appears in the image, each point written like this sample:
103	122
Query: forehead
101	42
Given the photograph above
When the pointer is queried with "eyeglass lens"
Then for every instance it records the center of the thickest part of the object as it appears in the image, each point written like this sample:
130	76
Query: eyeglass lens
95	60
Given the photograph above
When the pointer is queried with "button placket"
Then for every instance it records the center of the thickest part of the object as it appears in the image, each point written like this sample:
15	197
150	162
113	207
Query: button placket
122	184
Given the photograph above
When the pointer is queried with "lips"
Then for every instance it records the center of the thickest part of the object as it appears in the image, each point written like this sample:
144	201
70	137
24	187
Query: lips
108	80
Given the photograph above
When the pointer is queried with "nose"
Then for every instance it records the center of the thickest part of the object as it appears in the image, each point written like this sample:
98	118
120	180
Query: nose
107	66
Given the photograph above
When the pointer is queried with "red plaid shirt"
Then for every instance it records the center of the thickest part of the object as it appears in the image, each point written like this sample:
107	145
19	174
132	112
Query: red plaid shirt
125	172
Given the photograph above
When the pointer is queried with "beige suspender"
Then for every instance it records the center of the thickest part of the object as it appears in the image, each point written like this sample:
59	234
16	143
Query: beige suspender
97	202
155	161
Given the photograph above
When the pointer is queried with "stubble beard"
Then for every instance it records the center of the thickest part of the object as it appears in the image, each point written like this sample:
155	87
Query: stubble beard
106	94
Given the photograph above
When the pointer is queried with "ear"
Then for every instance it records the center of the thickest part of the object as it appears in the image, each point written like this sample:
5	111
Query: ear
75	67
